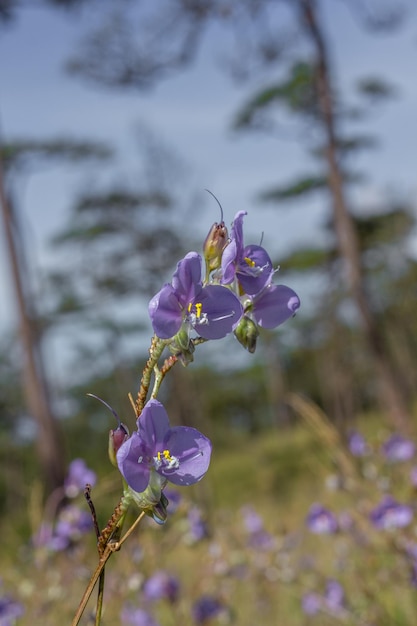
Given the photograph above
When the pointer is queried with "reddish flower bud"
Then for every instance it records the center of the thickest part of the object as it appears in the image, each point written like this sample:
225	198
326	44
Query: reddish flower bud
116	438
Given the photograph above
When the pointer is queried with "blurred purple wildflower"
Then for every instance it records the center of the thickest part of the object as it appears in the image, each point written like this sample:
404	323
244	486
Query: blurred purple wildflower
174	499
311	603
398	448
197	526
206	608
180	454
71	524
213	311
259	538
357	444
79	475
390	514
137	617
10	611
161	586
320	520
334	598
332	601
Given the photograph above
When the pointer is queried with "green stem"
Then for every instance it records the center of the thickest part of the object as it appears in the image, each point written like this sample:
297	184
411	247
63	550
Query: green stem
161	373
156	348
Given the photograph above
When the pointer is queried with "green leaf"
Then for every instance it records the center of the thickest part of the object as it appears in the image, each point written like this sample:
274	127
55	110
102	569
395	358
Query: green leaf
296	91
300	186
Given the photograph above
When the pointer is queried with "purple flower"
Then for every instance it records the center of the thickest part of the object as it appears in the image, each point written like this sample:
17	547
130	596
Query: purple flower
161	586
357	444
251	265
78	476
197	529
311	603
273	305
334	597
137	617
213	311
259	538
206	608
252	520
174	499
10	611
180	455
332	601
321	521
72	522
390	514
398	448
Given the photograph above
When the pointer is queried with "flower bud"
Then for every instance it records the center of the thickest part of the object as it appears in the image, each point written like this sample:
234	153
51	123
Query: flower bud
116	438
247	333
182	346
214	245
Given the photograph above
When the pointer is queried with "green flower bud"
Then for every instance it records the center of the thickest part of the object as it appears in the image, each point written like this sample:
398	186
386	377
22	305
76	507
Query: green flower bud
247	333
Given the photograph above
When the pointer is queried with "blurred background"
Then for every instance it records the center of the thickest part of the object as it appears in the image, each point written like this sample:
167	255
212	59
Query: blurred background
114	119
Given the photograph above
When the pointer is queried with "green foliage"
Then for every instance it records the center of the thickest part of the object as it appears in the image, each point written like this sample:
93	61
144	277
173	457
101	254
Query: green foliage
21	153
301	186
296	92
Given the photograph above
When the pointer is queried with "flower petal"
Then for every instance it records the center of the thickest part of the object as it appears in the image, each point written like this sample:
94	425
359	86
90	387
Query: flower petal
153	425
219	312
237	232
228	263
193	451
275	305
166	313
186	280
255	269
129	456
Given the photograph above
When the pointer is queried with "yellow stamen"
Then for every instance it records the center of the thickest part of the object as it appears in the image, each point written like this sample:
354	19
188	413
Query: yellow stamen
249	261
166	454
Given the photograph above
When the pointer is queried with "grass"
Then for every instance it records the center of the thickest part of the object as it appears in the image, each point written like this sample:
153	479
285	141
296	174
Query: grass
279	473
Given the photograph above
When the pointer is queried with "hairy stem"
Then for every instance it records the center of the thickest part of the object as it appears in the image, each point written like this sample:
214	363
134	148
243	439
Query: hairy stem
156	348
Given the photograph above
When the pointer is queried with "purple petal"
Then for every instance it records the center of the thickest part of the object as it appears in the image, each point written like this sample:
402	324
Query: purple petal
135	473
216	313
153	425
186	281
390	514
192	449
237	232
166	313
398	448
228	263
233	253
275	305
254	270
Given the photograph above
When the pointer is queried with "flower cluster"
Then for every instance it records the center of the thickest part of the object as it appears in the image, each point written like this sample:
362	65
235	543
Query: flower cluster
237	293
71	521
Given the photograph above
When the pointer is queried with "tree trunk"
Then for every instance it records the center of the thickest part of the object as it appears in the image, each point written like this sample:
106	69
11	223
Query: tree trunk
390	394
49	440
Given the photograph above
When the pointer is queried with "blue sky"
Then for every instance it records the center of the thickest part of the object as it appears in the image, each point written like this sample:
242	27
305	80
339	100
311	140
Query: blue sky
191	113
